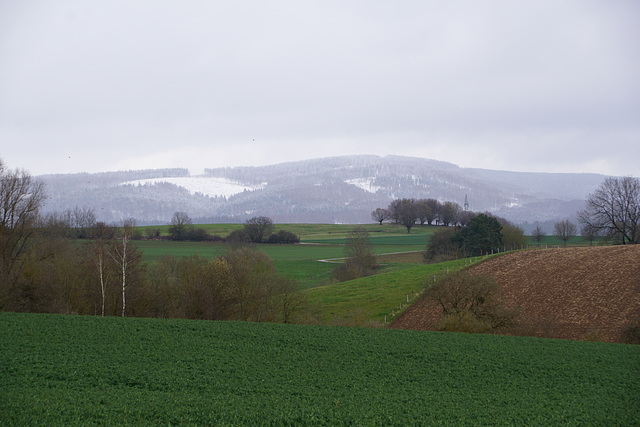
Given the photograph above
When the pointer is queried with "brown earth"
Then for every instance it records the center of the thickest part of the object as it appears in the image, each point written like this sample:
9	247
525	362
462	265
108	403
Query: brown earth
588	293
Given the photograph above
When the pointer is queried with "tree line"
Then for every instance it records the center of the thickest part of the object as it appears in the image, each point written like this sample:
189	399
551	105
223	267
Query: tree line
69	263
45	268
259	229
611	213
410	212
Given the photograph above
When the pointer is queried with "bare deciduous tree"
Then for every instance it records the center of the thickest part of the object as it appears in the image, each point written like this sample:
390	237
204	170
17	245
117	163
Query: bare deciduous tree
613	210
565	230
407	213
359	258
538	234
180	225
258	228
449	213
380	215
20	200
434	210
127	258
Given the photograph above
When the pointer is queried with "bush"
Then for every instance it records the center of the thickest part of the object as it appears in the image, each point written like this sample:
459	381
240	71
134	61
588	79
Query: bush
461	295
442	246
631	333
283	236
238	236
464	321
360	261
199	235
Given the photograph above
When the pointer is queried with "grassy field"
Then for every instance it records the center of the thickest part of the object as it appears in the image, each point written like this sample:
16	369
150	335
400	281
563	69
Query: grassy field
301	262
369	300
363	301
81	370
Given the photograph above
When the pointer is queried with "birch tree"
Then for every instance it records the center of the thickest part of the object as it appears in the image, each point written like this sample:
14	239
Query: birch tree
127	258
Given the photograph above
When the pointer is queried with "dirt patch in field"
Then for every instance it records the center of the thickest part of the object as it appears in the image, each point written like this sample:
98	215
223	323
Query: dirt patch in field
590	293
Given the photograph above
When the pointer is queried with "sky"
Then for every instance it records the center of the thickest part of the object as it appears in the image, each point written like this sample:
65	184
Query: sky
540	86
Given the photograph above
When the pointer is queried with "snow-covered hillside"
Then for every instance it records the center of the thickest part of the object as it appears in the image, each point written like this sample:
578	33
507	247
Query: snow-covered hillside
205	185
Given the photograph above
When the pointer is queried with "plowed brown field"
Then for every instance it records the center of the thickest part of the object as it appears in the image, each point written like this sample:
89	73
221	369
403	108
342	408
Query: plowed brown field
568	293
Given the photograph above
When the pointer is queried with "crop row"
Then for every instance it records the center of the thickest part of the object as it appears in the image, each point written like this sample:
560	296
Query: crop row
81	370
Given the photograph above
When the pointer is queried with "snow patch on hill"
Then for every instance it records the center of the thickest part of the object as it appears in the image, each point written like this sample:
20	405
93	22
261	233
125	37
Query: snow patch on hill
208	186
365	183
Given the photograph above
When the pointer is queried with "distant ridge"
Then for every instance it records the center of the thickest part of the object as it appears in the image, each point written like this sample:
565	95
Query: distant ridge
342	189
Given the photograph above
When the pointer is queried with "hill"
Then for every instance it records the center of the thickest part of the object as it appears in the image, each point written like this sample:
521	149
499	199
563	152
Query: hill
568	293
328	190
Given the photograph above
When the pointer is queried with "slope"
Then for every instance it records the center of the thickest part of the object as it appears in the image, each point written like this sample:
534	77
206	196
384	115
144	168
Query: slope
569	293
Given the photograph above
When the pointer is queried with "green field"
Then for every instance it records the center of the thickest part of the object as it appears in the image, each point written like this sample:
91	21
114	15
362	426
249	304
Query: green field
364	301
370	300
82	370
299	262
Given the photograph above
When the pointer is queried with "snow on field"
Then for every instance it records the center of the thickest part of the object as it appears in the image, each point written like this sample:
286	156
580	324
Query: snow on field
364	183
209	186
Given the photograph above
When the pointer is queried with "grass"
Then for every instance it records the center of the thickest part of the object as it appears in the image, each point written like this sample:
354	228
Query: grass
300	262
73	370
369	300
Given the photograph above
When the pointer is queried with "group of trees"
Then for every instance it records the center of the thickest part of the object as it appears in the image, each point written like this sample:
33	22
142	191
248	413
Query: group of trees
611	213
482	234
45	268
410	212
259	229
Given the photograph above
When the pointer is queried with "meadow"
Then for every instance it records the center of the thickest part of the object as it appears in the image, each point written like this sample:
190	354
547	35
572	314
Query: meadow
300	262
70	370
370	301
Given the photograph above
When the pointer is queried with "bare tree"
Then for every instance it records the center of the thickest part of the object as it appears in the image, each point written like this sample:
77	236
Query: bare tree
422	210
588	234
359	258
180	226
434	210
380	215
20	200
613	210
565	230
538	234
449	213
103	238
394	210
82	220
407	212
127	258
258	228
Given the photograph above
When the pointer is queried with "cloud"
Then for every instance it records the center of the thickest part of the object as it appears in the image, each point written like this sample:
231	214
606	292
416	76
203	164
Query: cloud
512	85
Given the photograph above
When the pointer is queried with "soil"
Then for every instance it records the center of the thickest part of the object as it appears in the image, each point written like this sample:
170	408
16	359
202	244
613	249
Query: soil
587	293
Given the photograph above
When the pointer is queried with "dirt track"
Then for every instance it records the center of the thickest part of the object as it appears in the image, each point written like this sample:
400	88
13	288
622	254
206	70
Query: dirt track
573	293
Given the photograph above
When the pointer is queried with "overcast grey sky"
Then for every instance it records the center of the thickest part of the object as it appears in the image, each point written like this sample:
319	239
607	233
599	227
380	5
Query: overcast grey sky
542	85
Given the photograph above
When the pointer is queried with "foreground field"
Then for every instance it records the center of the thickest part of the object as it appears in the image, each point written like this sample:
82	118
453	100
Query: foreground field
63	370
569	293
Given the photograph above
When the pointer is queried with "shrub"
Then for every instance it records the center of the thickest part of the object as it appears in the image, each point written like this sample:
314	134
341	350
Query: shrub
464	321
283	236
631	333
199	235
461	295
360	261
238	236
